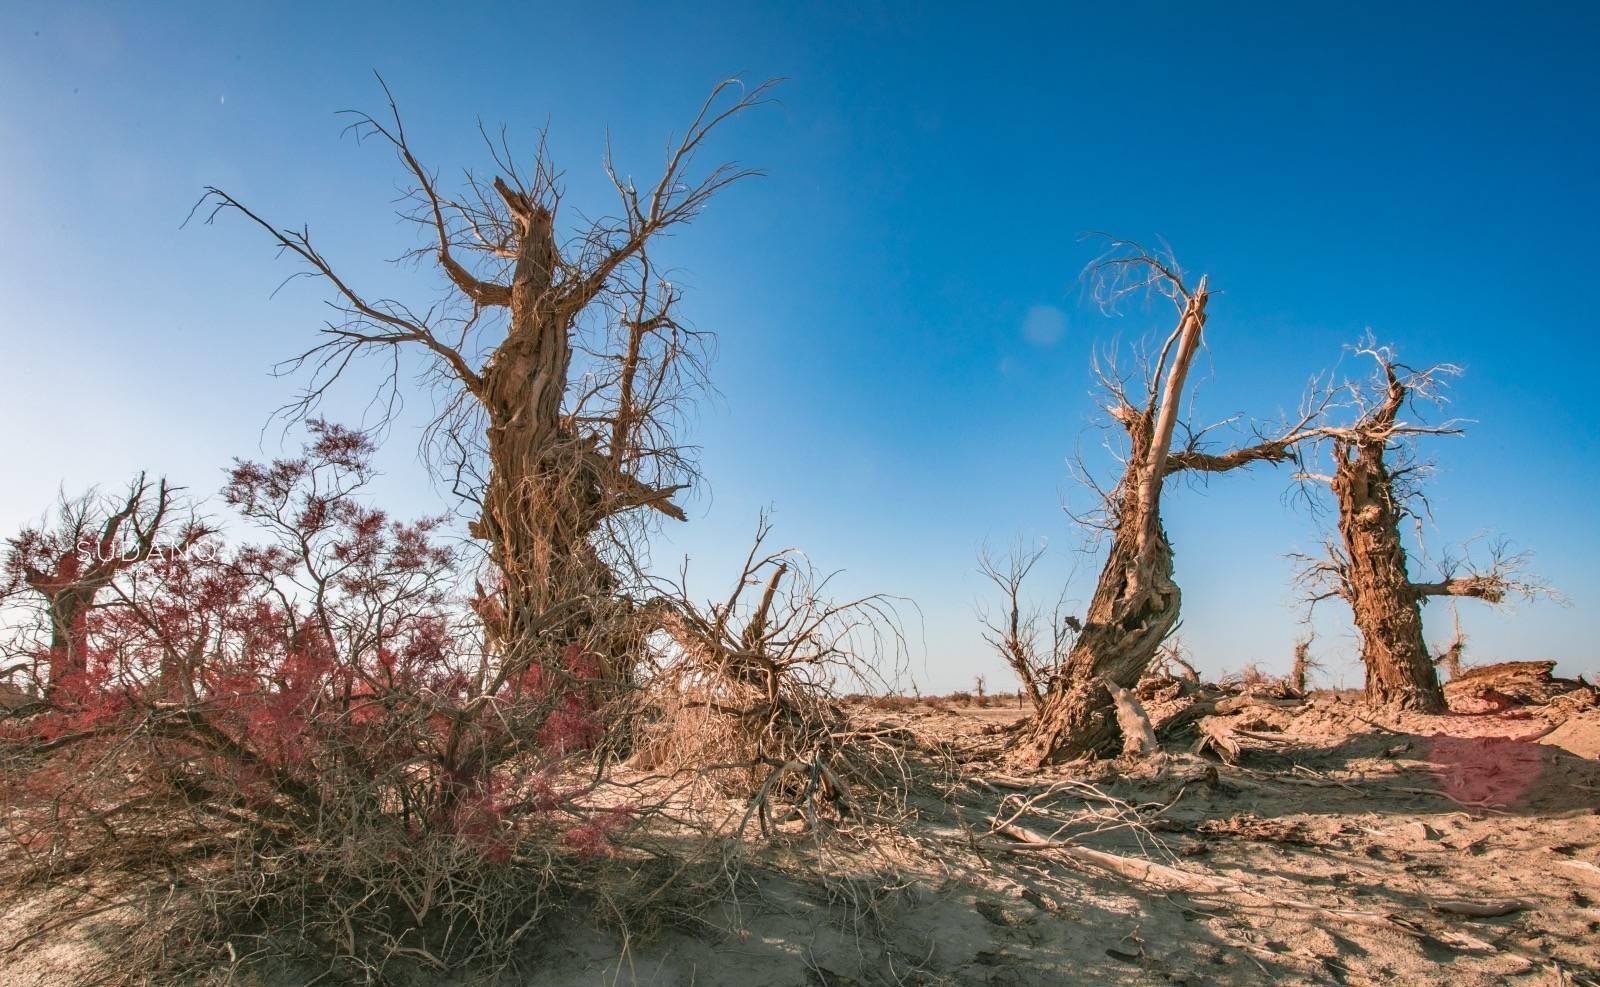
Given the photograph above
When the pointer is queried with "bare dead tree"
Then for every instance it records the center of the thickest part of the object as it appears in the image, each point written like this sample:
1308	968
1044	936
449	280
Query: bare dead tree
68	562
1015	634
1375	477
1136	602
1172	660
562	363
1450	657
1304	665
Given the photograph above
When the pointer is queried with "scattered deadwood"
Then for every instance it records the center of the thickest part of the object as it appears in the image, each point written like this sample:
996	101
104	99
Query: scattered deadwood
1477	909
1138	869
1138	736
1522	683
1218	738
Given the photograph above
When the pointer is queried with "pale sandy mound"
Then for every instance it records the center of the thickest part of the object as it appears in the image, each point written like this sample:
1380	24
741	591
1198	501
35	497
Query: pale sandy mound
1580	734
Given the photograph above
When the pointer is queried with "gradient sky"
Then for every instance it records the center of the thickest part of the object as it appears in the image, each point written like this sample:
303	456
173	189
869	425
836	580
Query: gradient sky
903	360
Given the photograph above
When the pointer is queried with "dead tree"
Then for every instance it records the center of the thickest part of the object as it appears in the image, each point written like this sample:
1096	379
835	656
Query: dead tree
562	363
1375	480
1015	634
1136	602
1304	665
1450	659
68	563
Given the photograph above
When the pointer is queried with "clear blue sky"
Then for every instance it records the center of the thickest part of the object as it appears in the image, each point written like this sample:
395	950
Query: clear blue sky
1426	172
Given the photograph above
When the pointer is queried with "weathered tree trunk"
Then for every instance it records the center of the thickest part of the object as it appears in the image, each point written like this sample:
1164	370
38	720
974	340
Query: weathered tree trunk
533	518
1136	603
548	490
69	632
1387	607
1135	607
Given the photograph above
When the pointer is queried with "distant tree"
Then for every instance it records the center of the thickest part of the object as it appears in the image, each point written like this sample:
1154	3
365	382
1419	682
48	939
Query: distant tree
1375	478
1136	602
1304	665
1033	652
69	561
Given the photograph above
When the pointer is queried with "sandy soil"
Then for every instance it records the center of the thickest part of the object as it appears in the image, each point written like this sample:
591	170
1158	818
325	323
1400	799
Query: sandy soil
1343	848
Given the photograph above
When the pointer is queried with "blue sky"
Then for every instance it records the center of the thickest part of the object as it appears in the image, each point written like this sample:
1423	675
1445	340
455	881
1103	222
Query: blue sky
903	358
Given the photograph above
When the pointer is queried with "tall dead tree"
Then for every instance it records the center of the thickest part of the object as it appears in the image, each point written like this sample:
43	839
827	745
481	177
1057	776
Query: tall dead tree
1136	602
1375	483
561	359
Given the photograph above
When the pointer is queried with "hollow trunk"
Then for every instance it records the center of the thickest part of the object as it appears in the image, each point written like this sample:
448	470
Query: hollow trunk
1386	606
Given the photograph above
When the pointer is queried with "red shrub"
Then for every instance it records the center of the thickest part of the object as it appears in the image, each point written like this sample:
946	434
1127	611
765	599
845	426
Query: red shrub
319	696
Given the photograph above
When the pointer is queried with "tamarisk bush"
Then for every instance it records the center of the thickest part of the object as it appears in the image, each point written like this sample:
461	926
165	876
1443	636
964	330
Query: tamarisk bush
306	734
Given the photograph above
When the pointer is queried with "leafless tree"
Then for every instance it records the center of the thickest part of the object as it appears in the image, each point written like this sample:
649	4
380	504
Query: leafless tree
1136	602
1016	633
1375	477
561	360
1304	665
69	561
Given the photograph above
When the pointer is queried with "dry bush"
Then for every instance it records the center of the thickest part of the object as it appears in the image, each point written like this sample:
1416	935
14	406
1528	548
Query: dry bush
1172	663
1253	680
743	692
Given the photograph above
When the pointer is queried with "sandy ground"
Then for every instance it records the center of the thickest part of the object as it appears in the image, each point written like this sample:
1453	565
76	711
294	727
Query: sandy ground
1340	849
1345	842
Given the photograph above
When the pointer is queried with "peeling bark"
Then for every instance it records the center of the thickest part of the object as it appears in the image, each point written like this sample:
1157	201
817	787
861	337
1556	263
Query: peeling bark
1386	606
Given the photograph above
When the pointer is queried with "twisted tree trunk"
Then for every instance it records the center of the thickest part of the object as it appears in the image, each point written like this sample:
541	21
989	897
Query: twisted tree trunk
549	489
1135	605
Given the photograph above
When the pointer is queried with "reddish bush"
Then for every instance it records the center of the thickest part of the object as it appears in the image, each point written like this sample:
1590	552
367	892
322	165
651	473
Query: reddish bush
317	706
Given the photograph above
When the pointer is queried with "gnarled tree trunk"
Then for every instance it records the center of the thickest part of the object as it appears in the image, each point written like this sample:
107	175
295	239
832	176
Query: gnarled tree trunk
568	450
1136	602
1386	605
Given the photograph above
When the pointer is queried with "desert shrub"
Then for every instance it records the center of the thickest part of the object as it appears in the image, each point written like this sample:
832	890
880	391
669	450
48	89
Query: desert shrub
745	692
306	738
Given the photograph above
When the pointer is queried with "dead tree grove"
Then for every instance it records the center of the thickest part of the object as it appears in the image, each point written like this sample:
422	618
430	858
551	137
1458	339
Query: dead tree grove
560	358
1135	605
1374	480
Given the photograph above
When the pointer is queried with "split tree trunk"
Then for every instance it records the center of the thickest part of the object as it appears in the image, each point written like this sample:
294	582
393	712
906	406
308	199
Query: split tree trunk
1136	603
